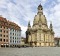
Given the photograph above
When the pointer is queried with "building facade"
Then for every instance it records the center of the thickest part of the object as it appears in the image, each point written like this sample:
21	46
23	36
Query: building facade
57	41
22	41
14	38
4	33
39	34
10	33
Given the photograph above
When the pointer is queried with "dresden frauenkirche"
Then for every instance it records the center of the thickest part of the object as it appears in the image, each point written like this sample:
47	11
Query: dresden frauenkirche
40	34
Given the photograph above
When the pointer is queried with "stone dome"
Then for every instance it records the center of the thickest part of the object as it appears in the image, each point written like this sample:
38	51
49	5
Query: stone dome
41	18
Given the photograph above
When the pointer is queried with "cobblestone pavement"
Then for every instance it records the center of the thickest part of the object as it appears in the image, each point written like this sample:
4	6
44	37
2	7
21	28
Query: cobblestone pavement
29	51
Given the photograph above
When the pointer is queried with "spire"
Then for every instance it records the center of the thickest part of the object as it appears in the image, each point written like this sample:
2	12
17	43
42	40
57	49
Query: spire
29	24
51	27
40	9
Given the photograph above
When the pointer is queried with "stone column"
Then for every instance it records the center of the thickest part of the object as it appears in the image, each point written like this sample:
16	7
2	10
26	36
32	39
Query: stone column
38	38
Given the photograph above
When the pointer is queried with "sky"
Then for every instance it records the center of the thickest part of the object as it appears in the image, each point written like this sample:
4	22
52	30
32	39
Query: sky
23	11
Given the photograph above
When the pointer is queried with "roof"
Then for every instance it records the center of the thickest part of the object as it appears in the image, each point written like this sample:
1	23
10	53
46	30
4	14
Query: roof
6	23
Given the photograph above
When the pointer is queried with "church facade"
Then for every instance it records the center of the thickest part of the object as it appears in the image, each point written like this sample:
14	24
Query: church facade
40	34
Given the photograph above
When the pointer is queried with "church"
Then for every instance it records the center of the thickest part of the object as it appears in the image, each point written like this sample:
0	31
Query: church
40	34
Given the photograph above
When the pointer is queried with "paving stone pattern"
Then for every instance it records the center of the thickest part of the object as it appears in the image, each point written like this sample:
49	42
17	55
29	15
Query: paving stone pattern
29	51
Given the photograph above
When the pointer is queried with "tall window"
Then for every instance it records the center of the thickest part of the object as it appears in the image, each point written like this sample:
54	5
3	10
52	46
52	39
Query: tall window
19	41
0	39
13	37
15	41
10	37
4	31
0	30
4	35
0	35
10	33
4	27
4	40
44	37
13	29
10	40
13	33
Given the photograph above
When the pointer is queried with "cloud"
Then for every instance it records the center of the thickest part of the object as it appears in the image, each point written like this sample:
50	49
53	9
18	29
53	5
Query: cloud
58	1
57	19
22	11
23	30
53	14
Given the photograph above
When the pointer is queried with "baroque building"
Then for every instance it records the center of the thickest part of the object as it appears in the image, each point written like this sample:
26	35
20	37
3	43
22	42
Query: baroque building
40	34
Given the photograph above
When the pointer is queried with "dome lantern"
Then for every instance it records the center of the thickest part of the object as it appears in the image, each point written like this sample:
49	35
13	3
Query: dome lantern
40	9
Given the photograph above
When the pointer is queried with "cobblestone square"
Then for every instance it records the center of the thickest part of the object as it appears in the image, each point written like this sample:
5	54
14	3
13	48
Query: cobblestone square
29	51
